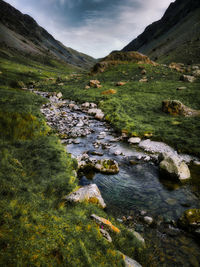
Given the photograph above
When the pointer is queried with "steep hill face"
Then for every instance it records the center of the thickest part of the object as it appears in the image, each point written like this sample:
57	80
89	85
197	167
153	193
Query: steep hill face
175	37
21	32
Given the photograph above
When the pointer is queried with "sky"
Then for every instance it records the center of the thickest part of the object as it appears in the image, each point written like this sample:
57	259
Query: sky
94	27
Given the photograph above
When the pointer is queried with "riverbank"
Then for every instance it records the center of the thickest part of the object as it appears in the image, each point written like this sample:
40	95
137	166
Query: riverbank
136	196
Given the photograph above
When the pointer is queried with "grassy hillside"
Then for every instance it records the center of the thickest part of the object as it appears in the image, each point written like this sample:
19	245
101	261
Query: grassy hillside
36	227
173	38
22	33
136	107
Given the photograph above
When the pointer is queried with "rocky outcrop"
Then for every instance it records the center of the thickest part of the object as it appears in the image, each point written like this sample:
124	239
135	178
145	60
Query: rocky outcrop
120	83
175	107
171	166
89	193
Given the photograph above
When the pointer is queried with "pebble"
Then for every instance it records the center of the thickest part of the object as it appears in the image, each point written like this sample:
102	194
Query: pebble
148	220
143	212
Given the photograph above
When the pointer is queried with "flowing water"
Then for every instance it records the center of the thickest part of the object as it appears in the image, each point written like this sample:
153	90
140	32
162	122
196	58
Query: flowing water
138	190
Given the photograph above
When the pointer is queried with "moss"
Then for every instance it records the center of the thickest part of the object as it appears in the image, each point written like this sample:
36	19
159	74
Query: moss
190	218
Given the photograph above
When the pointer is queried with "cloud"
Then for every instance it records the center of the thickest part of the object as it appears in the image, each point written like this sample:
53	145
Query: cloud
95	27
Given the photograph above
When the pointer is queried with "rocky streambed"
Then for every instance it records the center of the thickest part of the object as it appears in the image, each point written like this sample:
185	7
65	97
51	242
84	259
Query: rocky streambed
128	177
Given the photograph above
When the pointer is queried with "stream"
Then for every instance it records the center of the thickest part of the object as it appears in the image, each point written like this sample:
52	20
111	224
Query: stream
137	191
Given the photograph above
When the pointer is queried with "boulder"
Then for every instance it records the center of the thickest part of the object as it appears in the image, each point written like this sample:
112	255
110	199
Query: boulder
187	78
148	220
94	111
107	166
172	167
143	80
85	105
94	83
105	223
143	72
99	115
175	107
195	67
109	92
120	83
93	105
134	140
89	193
177	66
71	106
196	73
106	235
59	95
190	220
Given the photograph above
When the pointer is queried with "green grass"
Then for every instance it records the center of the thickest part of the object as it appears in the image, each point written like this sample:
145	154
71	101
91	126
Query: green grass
36	227
137	107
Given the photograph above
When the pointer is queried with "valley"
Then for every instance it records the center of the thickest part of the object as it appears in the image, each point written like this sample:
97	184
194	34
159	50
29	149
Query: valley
99	159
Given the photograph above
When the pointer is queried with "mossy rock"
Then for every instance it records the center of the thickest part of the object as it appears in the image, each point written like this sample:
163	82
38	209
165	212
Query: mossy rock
107	166
190	220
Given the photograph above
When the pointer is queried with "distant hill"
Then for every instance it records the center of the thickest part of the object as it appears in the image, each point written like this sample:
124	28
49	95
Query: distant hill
175	37
22	33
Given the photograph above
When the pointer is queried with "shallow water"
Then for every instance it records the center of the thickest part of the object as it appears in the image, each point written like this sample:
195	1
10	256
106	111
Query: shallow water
138	185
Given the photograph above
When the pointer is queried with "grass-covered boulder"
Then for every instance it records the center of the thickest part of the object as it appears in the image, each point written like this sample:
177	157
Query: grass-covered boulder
190	220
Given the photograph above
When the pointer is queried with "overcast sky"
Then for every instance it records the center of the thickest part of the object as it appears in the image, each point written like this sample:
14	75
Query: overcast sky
94	27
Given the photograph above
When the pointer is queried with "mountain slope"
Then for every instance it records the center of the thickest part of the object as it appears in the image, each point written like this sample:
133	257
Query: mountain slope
21	32
175	37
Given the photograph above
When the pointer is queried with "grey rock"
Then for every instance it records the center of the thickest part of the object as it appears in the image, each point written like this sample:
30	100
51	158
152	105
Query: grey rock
148	220
129	262
86	193
173	167
106	235
108	166
187	78
134	140
196	73
138	236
